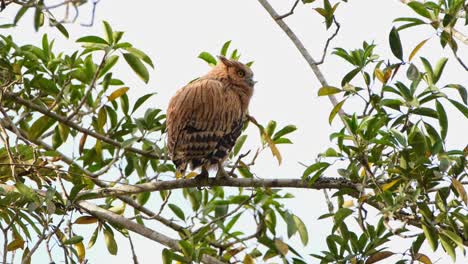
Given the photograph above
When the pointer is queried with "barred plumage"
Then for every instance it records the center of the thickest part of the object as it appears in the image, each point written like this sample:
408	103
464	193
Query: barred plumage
205	117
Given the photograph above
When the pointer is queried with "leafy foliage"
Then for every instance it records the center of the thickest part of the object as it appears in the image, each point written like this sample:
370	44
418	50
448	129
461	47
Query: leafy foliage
71	134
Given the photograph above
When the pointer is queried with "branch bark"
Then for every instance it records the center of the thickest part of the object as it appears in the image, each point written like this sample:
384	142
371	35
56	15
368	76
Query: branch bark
321	183
137	228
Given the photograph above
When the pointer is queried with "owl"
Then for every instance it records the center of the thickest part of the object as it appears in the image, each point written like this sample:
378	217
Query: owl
205	117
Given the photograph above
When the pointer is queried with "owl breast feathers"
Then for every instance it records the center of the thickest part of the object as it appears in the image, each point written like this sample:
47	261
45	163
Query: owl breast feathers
205	117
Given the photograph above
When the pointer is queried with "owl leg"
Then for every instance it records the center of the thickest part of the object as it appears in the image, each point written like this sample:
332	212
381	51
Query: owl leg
203	174
221	172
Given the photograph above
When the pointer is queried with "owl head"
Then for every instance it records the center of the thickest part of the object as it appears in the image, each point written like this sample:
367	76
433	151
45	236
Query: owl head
237	72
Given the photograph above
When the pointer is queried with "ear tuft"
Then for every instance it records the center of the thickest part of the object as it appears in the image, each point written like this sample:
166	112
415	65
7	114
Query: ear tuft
225	61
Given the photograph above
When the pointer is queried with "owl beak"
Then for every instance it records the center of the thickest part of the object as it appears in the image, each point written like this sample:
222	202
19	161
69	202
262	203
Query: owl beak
251	82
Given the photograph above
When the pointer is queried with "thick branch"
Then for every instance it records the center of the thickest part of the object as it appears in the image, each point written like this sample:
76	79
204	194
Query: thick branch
137	228
321	183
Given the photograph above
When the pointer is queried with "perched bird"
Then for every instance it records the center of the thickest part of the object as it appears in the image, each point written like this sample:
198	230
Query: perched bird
205	117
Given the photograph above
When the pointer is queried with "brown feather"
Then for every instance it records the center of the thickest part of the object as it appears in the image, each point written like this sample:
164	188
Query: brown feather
205	117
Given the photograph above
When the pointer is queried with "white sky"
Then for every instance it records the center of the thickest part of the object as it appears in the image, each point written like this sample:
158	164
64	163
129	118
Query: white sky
173	33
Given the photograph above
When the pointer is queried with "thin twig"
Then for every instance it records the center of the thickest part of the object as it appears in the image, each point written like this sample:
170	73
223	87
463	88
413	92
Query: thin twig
328	42
289	13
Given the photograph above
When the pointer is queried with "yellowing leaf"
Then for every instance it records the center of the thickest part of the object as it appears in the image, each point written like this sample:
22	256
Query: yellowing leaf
348	203
416	49
117	93
80	251
387	74
282	247
460	190
273	148
335	111
328	90
82	143
118	209
248	260
380	75
85	220
110	242
15	244
422	258
378	256
60	235
24	259
389	185
190	175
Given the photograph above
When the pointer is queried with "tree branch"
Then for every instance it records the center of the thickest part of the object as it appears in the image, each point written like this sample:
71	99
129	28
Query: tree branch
321	183
137	228
290	11
71	124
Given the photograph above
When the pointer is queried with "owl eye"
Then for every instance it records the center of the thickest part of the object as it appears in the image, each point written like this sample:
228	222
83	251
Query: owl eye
241	73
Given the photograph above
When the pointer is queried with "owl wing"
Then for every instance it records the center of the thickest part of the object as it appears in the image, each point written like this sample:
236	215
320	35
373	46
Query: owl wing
204	120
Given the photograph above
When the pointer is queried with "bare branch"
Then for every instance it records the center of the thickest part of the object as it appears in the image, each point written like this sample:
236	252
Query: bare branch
289	13
328	42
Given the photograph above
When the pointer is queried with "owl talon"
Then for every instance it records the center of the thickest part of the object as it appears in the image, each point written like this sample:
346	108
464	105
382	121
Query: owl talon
221	174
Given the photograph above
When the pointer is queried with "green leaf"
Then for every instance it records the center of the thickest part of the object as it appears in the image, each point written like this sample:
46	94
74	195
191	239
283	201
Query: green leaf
284	131
137	66
110	241
56	139
207	57
187	248
419	8
92	39
102	118
41	125
463	109
301	227
412	73
290	223
442	119
177	211
141	100
335	111
439	68
20	13
239	143
73	240
108	31
27	192
314	167
448	247
140	54
225	48
341	215
424	111
38	18
455	238
110	62
328	90
461	90
431	236
60	27
395	44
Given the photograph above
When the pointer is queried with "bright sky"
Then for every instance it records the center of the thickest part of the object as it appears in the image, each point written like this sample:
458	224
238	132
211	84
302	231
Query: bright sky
173	33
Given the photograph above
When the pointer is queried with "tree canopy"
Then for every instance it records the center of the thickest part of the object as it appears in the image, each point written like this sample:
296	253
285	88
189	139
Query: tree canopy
77	151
